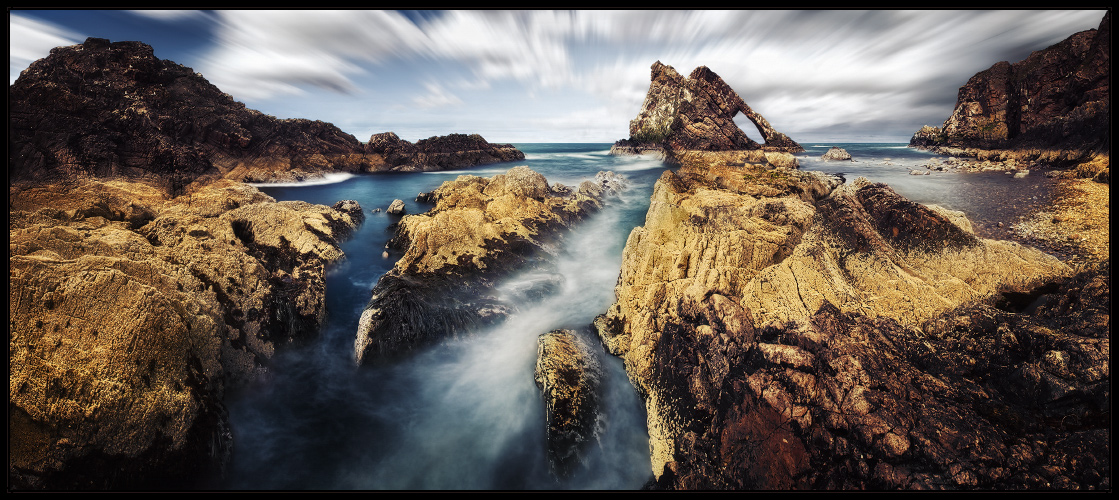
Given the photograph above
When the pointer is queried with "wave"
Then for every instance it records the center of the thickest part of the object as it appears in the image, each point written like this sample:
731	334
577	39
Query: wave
331	178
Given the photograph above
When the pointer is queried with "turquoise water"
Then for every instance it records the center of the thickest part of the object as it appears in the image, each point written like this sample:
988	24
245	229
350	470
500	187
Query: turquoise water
466	414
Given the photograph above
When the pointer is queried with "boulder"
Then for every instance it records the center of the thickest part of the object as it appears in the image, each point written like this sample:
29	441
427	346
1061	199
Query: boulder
569	376
396	207
836	153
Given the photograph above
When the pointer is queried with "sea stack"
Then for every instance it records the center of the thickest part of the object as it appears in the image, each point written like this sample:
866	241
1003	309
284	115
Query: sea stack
696	113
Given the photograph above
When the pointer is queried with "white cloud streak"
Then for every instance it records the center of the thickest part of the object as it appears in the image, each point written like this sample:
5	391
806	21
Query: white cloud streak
803	70
31	40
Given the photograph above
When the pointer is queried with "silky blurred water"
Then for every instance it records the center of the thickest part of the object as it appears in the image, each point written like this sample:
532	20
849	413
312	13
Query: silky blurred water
466	414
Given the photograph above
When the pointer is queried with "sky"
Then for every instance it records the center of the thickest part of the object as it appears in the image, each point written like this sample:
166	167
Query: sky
571	76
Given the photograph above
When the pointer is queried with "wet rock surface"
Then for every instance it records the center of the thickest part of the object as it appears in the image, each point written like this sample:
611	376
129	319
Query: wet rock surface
132	314
695	113
753	302
569	375
479	231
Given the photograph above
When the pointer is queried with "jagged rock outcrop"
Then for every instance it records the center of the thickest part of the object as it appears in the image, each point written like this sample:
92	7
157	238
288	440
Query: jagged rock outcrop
696	113
836	153
569	375
113	109
479	230
1052	107
728	250
439	153
131	314
978	397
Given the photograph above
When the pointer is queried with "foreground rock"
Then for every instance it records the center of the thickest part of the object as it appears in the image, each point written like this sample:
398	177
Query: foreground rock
131	314
102	109
569	375
728	251
1052	108
695	114
978	397
479	231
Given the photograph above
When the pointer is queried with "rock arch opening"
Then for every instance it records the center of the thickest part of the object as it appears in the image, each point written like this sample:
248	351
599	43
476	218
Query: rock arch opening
748	127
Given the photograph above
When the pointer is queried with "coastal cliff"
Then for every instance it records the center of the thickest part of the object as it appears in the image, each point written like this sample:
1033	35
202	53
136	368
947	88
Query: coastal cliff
1052	107
113	109
695	113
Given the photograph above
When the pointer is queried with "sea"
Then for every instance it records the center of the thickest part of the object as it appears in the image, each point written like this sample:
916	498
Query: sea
466	414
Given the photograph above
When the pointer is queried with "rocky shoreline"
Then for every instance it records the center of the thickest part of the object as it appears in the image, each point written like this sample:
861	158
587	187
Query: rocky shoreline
146	279
132	313
479	231
785	329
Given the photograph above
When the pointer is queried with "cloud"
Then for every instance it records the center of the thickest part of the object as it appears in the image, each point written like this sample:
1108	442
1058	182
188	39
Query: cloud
436	97
168	15
31	40
263	54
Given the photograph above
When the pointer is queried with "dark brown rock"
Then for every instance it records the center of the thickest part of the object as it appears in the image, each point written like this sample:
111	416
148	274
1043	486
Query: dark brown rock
978	398
102	109
696	113
439	153
1057	98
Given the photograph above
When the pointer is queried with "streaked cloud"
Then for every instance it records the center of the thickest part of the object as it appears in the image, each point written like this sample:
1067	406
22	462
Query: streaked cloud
31	40
874	72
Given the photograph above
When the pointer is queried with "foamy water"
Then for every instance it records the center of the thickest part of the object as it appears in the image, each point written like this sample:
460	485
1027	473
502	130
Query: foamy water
464	414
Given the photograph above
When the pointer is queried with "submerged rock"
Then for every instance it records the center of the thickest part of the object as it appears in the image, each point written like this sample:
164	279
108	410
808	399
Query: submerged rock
569	375
132	315
836	153
480	230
